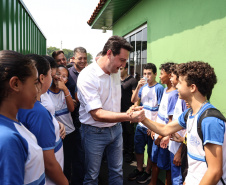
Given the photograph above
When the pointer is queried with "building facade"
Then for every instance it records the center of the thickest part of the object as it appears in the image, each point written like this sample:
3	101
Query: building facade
170	30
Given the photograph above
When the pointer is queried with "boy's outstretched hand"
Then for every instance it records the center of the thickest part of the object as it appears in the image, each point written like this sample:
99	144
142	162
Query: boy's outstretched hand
164	142
176	137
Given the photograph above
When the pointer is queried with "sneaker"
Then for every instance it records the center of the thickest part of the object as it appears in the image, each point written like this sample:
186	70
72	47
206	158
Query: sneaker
136	173
143	178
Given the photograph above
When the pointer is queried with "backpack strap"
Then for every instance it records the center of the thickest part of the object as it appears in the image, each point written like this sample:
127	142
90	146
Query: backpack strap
186	115
211	112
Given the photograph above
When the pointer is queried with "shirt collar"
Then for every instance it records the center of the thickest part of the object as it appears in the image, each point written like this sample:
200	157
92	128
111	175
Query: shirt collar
99	71
74	70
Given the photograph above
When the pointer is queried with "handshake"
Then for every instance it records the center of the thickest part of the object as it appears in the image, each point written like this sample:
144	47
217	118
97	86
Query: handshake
136	114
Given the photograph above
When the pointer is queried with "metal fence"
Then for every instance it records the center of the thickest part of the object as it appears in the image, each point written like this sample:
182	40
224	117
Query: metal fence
18	29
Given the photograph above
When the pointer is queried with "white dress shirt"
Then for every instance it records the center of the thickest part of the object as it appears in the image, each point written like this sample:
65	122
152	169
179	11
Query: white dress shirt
96	89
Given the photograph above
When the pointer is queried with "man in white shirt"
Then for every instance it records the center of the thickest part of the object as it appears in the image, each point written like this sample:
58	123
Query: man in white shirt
99	93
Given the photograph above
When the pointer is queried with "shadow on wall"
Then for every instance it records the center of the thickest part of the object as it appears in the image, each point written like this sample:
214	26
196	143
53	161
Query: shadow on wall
175	16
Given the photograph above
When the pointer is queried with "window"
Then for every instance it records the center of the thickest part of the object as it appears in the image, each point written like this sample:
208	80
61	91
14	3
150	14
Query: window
138	56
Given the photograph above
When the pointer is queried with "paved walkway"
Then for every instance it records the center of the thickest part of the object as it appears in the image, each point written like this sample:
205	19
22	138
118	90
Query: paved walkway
127	168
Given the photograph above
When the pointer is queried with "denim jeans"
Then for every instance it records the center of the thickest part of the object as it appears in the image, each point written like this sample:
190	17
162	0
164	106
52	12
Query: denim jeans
95	140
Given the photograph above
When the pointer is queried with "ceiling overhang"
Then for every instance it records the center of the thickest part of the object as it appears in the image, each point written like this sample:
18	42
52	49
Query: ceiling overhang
108	12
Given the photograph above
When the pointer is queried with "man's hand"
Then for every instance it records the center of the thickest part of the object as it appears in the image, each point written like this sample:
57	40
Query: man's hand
130	110
133	108
137	116
164	142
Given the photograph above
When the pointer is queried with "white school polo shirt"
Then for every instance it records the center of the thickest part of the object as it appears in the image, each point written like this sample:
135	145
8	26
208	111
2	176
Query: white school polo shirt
213	130
96	89
150	98
180	107
62	113
21	160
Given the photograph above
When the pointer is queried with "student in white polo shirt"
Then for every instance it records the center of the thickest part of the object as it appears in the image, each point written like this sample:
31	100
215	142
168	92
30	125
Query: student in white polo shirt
99	93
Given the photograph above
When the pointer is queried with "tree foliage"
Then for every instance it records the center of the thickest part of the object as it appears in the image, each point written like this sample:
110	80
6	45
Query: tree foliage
89	58
51	49
68	53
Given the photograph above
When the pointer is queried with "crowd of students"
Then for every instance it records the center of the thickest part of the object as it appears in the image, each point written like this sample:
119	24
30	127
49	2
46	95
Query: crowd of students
35	107
162	105
174	119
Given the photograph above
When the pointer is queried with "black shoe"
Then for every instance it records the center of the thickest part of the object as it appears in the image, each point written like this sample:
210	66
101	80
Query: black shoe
143	178
136	173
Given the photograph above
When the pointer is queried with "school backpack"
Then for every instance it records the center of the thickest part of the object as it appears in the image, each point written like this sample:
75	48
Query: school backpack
211	112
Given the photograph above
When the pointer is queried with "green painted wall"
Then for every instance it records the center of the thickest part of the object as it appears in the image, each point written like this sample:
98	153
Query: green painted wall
18	31
181	31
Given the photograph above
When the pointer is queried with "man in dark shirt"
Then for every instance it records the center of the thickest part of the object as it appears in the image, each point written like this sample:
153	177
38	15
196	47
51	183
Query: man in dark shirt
128	85
80	61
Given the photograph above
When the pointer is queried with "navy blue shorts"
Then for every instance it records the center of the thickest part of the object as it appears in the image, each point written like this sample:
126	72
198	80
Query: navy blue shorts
161	157
141	139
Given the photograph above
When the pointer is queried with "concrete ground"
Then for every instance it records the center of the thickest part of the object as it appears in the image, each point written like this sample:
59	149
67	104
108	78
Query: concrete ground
127	168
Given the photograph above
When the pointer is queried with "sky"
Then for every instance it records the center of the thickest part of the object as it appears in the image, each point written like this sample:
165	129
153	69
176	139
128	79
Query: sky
66	21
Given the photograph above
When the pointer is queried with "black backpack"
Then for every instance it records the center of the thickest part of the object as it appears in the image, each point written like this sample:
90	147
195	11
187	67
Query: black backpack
211	112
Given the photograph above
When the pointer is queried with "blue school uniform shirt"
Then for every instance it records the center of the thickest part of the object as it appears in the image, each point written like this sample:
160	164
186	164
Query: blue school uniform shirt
21	159
166	107
46	129
213	130
150	98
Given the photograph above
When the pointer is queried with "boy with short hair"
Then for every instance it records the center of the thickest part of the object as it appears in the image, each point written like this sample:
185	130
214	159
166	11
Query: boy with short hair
207	157
160	156
175	147
149	93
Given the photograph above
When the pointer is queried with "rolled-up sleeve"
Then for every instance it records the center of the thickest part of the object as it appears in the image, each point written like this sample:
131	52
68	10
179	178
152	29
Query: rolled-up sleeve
88	94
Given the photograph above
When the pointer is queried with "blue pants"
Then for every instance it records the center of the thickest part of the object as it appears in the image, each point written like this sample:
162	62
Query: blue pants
176	176
95	140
